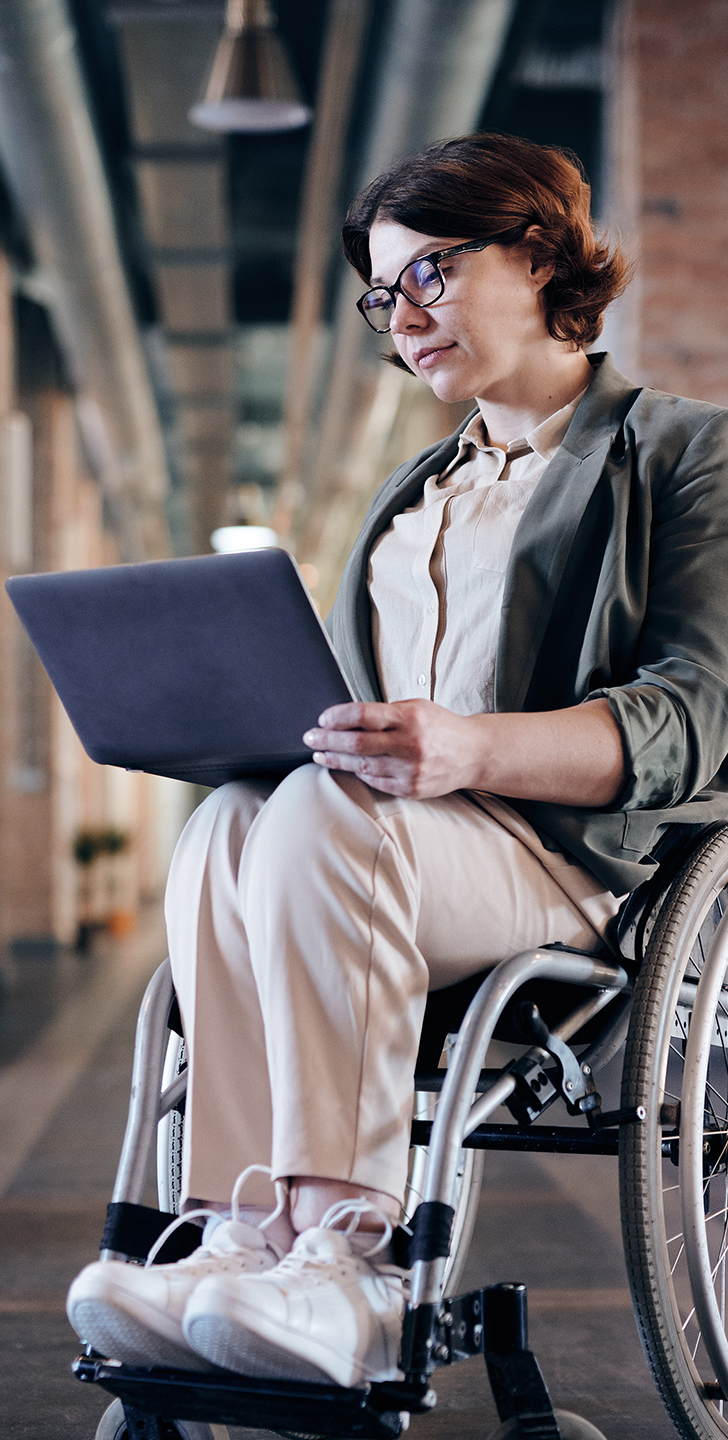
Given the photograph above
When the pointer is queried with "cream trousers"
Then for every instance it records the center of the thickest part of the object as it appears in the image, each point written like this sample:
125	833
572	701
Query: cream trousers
306	925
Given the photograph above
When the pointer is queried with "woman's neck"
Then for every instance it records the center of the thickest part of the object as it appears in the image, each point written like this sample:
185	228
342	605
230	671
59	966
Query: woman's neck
532	398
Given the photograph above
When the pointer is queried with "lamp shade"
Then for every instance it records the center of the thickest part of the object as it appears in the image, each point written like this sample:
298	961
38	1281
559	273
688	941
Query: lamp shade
232	539
252	87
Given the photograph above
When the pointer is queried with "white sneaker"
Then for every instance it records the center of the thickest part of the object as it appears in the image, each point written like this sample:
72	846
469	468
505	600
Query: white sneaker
322	1313
134	1313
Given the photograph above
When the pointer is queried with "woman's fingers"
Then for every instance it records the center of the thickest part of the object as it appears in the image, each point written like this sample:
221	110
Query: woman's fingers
358	715
354	742
385	774
364	765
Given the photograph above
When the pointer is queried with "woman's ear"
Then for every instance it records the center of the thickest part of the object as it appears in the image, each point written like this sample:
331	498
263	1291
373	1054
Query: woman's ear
540	274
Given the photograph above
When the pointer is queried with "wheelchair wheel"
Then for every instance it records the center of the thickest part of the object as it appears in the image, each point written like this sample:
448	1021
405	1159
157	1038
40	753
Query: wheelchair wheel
469	1183
667	1229
112	1426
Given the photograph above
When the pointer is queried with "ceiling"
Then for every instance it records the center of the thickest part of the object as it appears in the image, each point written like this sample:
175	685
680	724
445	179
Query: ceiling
269	400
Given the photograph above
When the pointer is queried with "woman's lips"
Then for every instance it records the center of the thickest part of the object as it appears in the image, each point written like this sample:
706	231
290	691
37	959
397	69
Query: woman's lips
426	358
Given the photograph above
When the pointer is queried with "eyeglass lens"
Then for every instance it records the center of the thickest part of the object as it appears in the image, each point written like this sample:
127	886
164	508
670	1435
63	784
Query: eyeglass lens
420	282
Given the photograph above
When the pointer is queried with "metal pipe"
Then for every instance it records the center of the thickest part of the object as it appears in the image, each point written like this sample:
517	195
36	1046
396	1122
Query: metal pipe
542	1139
52	162
146	1083
504	1086
455	1108
172	1095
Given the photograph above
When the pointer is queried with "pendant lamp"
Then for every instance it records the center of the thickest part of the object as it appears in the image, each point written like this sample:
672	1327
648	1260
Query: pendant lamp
252	87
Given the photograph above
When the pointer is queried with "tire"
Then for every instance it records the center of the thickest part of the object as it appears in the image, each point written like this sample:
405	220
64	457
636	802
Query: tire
170	1133
654	1188
469	1184
112	1426
571	1427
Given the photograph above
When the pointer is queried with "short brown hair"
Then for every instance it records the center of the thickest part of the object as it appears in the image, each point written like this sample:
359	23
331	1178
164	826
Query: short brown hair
481	185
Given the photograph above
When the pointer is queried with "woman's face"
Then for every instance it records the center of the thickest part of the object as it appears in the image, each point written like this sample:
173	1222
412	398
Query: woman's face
484	329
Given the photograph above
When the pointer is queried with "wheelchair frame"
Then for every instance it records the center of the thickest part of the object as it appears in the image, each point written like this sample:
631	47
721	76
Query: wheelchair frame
440	1331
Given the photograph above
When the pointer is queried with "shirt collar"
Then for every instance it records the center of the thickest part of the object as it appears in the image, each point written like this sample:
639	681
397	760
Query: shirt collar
544	439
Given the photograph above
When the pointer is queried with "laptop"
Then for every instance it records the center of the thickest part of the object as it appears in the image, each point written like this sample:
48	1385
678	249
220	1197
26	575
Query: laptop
207	669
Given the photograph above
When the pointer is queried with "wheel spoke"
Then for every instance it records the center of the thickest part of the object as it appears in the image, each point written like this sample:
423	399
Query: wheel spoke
677	1258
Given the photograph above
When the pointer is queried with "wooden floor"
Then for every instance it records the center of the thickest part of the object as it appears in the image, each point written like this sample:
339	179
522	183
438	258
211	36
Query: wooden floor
66	1036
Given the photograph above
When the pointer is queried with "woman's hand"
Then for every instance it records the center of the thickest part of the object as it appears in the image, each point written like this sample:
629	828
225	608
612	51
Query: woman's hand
411	748
416	749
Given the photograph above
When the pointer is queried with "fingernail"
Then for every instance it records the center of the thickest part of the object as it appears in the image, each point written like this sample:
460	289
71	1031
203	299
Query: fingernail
308	738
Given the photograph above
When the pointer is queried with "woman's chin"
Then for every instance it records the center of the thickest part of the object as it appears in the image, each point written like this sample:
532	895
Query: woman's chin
449	388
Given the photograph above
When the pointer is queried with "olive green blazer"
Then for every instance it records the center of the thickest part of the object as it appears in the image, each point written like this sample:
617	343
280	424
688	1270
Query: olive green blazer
617	585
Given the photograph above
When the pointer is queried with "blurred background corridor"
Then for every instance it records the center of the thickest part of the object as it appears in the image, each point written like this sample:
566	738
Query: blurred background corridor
180	356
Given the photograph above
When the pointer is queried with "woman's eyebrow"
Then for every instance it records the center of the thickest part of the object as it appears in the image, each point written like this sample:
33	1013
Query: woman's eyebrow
421	255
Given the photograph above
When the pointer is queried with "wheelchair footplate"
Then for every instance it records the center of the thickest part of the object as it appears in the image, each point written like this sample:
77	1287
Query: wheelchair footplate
491	1322
373	1412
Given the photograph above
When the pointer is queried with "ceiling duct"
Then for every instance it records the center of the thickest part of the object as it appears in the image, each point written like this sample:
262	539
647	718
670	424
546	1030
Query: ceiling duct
438	59
50	156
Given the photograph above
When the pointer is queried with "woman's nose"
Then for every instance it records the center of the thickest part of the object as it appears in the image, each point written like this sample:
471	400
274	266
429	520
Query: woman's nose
407	316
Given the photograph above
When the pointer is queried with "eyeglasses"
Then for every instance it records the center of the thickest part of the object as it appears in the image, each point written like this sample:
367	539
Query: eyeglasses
421	282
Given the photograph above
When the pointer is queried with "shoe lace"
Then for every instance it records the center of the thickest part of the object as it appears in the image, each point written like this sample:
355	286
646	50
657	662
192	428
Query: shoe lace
281	1193
280	1188
356	1209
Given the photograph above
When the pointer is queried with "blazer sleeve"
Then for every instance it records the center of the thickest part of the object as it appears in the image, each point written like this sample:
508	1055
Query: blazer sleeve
673	714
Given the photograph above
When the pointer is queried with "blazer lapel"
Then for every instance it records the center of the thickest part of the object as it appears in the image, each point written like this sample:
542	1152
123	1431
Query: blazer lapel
546	532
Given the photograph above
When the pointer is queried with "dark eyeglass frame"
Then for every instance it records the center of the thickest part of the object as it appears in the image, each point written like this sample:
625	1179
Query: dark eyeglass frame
435	257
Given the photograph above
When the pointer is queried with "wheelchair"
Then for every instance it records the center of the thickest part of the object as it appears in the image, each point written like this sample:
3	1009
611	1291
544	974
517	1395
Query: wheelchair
659	993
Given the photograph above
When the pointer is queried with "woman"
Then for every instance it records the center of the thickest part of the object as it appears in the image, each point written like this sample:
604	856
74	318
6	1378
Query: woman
533	610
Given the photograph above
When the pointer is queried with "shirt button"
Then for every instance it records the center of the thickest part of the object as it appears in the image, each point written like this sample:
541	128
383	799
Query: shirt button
421	679
431	607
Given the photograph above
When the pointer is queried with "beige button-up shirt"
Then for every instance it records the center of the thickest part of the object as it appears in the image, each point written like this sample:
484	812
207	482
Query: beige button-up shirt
436	580
436	575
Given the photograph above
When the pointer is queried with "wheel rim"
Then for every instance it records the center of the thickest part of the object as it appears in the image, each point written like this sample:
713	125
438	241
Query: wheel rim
703	1148
663	1199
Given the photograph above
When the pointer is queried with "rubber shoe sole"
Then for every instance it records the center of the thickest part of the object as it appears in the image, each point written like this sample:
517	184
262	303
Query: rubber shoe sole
226	1345
105	1321
237	1337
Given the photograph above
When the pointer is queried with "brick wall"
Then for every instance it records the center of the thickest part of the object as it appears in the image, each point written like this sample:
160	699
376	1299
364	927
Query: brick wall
670	184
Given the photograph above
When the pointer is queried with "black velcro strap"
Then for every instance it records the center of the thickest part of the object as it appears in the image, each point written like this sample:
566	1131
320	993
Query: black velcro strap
401	1241
430	1238
132	1230
174	1019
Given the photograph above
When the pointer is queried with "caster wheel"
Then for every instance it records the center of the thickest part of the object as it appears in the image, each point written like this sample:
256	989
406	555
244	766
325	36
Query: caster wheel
112	1426
571	1427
